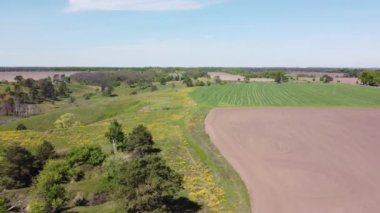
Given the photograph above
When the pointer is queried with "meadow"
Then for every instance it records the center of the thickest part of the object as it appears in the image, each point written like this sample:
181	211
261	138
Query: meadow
172	117
289	94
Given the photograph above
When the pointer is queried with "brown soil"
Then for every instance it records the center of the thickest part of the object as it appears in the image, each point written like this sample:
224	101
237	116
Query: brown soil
303	160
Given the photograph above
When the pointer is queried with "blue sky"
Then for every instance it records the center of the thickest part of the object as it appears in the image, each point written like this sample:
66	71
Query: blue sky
235	33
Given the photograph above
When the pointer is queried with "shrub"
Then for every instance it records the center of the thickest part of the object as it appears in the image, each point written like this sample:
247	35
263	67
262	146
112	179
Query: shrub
65	121
21	127
44	152
134	93
4	205
199	83
37	206
154	88
86	154
80	200
326	79
71	100
88	96
49	195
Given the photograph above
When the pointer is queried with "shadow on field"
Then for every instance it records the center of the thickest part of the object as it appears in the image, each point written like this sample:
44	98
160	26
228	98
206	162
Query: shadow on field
183	205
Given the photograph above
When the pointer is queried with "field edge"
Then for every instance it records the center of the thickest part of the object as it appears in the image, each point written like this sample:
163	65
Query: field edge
237	196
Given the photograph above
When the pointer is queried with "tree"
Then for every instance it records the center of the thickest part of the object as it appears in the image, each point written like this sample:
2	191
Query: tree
47	89
162	80
139	141
115	135
188	82
370	77
86	154
108	91
19	78
279	76
326	79
217	79
146	184
44	152
16	167
21	127
66	121
49	195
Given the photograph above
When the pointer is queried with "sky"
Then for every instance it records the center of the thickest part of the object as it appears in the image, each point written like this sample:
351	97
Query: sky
190	33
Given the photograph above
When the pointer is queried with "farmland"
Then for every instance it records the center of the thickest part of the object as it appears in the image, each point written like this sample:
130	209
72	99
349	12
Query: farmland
302	159
291	94
175	116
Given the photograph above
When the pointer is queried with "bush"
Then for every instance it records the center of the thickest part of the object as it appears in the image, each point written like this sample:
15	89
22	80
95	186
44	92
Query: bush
188	82
37	206
44	152
88	96
4	205
71	100
326	79
80	200
49	195
154	88
134	93
21	127
86	154
199	83
66	121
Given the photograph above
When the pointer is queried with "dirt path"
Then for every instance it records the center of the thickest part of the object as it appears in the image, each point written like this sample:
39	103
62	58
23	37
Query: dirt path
303	160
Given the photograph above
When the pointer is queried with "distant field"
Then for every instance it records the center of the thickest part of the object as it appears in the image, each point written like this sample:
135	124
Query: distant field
291	94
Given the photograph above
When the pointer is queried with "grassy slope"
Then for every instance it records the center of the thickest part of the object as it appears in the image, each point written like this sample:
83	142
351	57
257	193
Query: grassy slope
292	94
167	113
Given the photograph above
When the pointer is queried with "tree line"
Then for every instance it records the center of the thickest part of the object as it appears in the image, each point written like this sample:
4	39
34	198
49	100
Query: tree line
20	96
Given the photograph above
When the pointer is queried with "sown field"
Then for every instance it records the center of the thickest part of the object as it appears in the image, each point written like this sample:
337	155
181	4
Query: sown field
291	94
296	160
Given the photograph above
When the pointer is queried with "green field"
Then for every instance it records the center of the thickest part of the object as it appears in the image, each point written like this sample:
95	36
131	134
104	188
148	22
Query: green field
291	94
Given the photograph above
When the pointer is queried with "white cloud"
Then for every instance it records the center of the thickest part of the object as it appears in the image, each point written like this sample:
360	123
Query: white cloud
136	5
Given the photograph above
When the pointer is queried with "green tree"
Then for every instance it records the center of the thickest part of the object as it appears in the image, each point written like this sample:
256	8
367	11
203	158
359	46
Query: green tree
47	89
49	195
44	152
146	184
163	80
115	135
139	141
16	167
217	80
326	79
86	154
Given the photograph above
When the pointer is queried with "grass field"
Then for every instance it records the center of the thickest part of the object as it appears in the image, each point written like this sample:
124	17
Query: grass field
291	94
